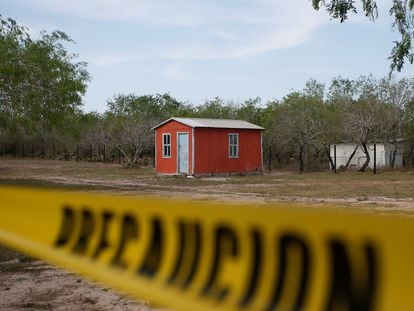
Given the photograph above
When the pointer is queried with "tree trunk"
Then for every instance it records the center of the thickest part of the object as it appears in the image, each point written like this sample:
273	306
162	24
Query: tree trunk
351	157
126	156
136	156
365	165
278	158
307	155
300	158
394	153
330	159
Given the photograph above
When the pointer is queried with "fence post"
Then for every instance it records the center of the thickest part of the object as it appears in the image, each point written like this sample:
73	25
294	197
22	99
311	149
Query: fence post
335	158
119	156
104	153
375	158
77	152
53	151
33	151
90	152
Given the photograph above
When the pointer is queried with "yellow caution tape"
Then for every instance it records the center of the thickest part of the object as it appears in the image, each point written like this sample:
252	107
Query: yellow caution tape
201	256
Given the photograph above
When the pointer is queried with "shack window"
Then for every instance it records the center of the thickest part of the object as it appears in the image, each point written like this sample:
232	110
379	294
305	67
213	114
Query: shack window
166	145
233	145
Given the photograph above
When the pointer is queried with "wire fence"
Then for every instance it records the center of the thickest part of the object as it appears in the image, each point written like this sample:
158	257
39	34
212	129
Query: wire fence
111	154
73	152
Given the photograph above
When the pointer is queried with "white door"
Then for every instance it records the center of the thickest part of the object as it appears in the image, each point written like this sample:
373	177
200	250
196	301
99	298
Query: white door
183	153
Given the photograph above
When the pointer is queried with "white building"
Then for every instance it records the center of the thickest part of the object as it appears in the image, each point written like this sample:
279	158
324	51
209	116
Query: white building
385	154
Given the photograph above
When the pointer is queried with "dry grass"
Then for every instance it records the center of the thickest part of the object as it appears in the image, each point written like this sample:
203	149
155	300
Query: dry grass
397	184
99	176
385	189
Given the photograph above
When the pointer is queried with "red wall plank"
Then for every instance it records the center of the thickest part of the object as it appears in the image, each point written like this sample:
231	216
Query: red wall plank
212	151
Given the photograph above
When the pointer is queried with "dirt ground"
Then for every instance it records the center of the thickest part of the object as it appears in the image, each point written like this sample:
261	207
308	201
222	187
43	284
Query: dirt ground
28	284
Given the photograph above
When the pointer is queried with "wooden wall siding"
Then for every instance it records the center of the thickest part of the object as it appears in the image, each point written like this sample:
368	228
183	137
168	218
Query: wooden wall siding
212	151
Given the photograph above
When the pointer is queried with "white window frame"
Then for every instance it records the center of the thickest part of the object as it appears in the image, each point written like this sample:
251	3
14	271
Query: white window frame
166	146
234	146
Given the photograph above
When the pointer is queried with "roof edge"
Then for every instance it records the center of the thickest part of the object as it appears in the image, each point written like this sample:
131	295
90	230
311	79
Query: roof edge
179	120
162	123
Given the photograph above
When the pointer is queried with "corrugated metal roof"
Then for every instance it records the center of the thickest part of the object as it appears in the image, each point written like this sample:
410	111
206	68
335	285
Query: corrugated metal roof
214	123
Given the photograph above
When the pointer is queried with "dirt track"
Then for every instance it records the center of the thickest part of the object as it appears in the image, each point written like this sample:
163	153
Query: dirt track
386	192
34	285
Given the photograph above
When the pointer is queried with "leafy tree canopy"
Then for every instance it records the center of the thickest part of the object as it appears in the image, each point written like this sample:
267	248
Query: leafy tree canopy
151	108
41	83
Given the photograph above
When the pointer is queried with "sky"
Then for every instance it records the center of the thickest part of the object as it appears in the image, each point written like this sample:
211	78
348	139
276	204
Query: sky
196	50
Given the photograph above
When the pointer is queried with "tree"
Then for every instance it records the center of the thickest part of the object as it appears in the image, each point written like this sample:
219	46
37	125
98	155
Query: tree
398	93
131	118
397	97
41	83
92	130
156	108
216	108
408	129
398	119
314	89
131	137
367	118
341	91
250	111
402	13
298	124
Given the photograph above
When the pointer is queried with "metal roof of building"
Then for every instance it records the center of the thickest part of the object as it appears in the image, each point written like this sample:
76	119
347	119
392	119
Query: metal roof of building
213	123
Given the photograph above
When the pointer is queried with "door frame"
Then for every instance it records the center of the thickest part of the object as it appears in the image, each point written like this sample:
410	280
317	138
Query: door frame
188	153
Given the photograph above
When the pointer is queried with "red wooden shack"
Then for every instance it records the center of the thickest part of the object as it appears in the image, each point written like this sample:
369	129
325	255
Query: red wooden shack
192	146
